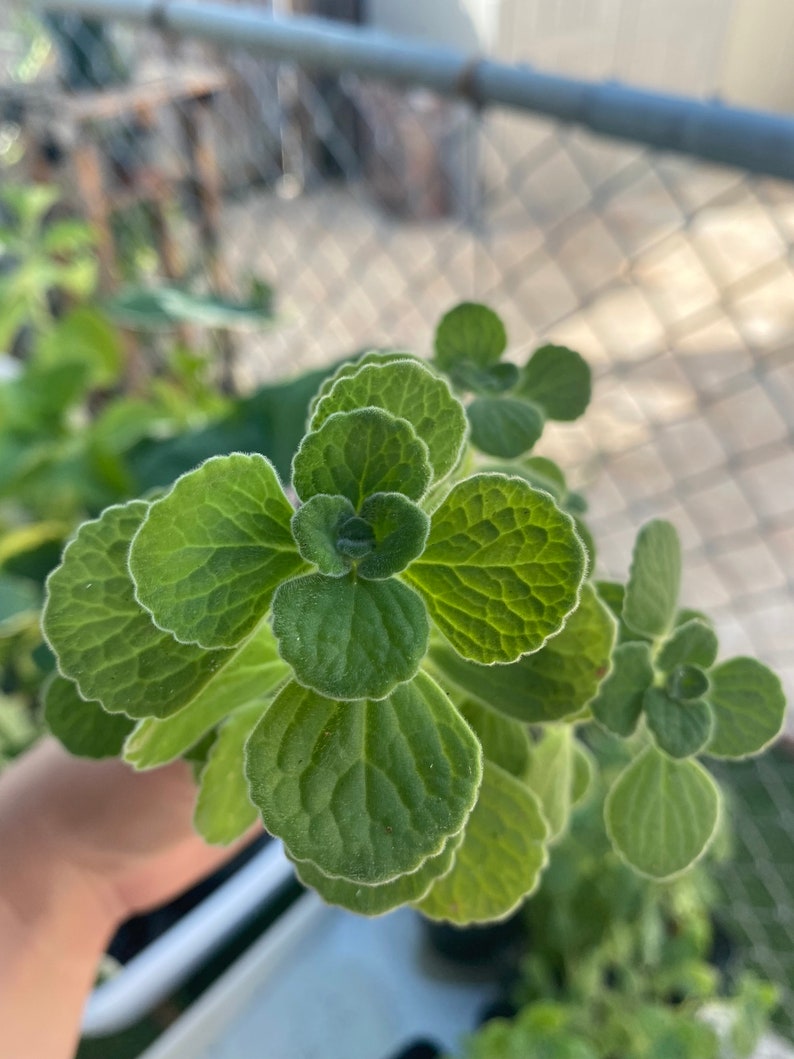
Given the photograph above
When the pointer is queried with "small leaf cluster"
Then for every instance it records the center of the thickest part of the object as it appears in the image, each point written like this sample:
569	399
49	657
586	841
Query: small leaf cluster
387	660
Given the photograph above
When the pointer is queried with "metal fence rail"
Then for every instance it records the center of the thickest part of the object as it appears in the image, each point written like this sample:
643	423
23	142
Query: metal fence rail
372	207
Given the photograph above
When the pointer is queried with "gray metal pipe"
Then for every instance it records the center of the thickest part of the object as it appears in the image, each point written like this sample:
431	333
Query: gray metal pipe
753	140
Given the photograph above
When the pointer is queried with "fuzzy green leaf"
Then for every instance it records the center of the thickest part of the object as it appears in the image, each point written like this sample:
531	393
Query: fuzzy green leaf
361	452
749	705
400	531
350	638
350	367
618	704
210	553
681	729
662	814
376	900
470	333
364	791
558	379
550	775
491	878
649	605
555	682
504	740
84	728
252	671
504	426
408	390
501	570
316	526
104	641
224	811
693	643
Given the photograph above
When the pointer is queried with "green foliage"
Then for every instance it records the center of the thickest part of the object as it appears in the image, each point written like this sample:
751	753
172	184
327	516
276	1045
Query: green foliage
389	656
618	965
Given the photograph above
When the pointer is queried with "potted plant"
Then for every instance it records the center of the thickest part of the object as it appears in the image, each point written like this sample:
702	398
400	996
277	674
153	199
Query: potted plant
389	659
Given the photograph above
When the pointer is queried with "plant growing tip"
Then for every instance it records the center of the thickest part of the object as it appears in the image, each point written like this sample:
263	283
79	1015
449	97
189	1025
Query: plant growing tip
361	669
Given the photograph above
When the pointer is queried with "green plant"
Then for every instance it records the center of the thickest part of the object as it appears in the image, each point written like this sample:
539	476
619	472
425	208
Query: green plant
368	651
618	965
39	257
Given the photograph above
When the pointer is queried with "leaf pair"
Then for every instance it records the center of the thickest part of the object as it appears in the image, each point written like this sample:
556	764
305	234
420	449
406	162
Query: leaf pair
510	407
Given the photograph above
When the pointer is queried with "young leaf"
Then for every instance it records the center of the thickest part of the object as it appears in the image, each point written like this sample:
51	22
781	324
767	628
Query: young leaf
687	682
104	641
504	426
350	367
470	333
749	706
315	528
558	379
694	643
400	531
210	553
503	740
364	791
355	454
223	809
681	729
550	776
501	570
84	728
375	900
491	878
251	672
654	580
662	814
347	637
407	390
554	682
618	704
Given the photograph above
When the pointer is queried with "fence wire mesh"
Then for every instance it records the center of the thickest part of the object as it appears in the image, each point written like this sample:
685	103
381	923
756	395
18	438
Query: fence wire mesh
371	210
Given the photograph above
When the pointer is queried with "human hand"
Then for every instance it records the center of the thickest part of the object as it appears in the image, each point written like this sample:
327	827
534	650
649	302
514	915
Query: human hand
83	845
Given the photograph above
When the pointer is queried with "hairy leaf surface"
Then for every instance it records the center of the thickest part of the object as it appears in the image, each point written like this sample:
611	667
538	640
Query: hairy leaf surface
224	811
491	878
501	570
618	704
104	640
210	553
350	638
376	900
408	390
361	452
365	791
662	814
504	426
84	728
555	682
504	740
749	705
255	670
681	729
654	582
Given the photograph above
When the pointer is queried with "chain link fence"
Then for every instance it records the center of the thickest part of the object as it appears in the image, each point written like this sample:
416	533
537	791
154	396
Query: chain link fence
373	209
